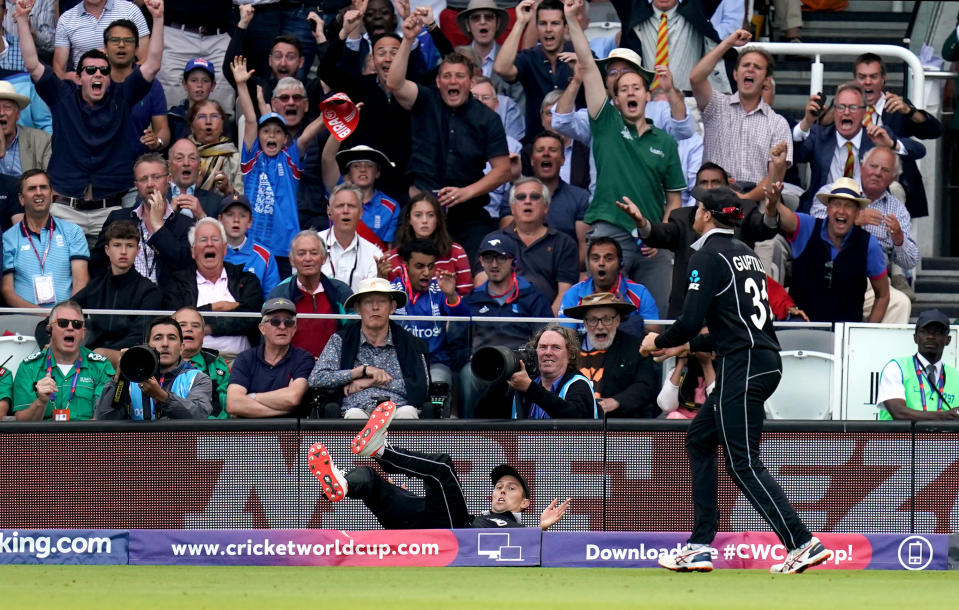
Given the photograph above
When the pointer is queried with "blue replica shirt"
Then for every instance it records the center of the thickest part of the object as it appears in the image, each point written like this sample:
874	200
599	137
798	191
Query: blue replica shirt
430	303
626	290
875	258
270	183
257	260
381	214
23	253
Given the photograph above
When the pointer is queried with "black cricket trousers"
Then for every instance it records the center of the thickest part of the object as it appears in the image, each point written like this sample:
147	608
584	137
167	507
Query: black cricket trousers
443	506
733	418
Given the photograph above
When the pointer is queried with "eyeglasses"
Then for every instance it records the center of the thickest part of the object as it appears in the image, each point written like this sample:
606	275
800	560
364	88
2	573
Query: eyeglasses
849	107
619	71
484	98
284	322
499	258
286	97
208	117
530	196
91	70
605	321
827	276
123	39
77	324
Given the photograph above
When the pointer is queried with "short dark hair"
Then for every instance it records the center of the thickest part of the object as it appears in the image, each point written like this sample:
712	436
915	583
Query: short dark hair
868	58
30	173
458	58
122	23
121	229
770	62
421	245
604	240
383	35
548	133
641	76
709	165
289	39
92	54
551	5
163	321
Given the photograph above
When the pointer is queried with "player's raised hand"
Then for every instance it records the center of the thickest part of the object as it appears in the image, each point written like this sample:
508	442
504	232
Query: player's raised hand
553	513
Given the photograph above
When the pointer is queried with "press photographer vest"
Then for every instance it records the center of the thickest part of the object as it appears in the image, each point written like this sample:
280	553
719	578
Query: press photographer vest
181	387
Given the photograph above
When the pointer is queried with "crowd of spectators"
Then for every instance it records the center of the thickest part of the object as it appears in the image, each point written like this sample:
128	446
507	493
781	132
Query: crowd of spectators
202	158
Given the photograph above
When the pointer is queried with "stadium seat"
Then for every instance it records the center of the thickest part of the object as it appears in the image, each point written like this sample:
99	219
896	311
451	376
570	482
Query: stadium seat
806	386
16	348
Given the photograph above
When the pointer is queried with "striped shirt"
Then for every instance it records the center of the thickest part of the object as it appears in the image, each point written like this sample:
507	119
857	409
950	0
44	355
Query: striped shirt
80	31
23	259
740	142
456	263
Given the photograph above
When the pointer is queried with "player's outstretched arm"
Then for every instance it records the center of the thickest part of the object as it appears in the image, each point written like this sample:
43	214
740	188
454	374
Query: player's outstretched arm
553	513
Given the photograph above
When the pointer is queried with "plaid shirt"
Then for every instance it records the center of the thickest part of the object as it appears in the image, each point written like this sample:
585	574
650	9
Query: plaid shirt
740	142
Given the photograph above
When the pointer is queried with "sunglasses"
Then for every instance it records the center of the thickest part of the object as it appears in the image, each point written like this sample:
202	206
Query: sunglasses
530	196
285	322
77	324
91	70
287	98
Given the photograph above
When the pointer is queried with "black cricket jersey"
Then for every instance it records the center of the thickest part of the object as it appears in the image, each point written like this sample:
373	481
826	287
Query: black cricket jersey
491	520
727	293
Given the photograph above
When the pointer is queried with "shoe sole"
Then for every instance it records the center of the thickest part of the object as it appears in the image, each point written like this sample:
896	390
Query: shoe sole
818	559
690	568
321	465
370	438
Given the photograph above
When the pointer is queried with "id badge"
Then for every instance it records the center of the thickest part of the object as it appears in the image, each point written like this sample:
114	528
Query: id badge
43	289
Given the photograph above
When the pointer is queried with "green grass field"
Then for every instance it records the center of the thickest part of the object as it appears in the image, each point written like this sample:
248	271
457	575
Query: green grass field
273	588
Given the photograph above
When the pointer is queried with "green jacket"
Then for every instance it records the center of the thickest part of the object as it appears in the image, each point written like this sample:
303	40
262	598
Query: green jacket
208	361
95	372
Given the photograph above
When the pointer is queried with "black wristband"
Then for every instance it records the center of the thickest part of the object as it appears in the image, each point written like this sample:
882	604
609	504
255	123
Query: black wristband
364	372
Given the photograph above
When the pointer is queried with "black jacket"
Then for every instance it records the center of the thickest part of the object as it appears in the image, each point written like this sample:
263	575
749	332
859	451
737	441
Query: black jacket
170	245
677	235
629	378
578	404
411	352
243	285
127	291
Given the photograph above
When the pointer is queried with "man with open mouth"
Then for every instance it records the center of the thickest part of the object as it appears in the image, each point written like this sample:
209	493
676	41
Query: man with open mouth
727	117
210	284
539	68
451	161
633	157
26	147
625	382
63	381
833	259
91	167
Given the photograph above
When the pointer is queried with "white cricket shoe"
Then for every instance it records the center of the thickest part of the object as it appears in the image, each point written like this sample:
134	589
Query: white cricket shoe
799	560
688	559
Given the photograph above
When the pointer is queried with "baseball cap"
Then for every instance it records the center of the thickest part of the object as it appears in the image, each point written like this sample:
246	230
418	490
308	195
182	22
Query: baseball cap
505	470
722	201
200	63
278	304
235	199
932	316
499	245
271	116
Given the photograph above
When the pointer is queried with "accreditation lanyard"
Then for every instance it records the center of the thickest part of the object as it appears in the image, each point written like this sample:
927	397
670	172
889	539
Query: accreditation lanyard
922	385
73	384
46	251
356	257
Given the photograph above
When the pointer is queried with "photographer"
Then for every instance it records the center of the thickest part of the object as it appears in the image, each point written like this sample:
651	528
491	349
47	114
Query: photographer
555	391
180	392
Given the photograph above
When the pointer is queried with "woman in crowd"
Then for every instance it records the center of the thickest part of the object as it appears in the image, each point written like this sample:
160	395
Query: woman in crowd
423	219
219	156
